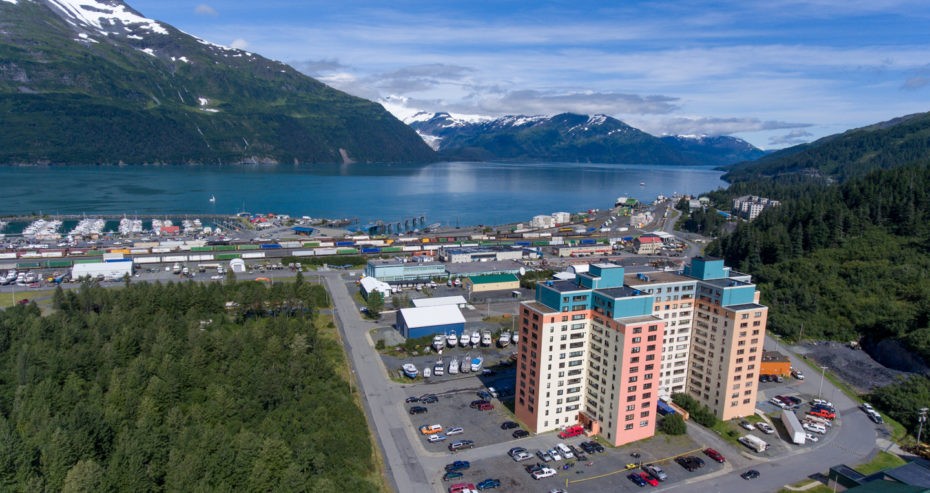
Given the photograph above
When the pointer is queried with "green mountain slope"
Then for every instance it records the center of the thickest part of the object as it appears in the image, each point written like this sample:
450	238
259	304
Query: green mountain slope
851	154
93	81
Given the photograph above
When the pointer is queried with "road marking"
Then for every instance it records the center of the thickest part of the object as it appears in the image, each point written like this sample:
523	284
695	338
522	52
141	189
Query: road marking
618	471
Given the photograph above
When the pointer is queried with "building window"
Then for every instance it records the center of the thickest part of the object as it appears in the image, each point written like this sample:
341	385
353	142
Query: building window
644	423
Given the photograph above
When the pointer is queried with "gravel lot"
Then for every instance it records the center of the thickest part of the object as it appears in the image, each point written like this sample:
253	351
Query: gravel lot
855	367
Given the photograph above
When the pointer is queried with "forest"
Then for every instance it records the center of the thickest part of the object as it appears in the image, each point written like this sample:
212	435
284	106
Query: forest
234	386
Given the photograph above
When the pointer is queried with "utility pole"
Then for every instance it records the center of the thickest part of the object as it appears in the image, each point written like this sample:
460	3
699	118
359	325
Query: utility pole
921	419
823	371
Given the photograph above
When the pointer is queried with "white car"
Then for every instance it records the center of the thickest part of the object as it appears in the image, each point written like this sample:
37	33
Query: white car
765	428
546	472
811	437
438	437
746	424
555	454
455	430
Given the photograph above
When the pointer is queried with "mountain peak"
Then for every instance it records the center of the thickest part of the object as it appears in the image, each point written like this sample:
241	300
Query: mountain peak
106	17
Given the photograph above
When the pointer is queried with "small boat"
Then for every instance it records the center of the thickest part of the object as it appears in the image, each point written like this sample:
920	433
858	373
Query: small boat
465	367
475	338
486	338
212	199
642	184
439	342
439	369
427	372
454	366
514	338
452	339
410	370
504	339
476	363
463	339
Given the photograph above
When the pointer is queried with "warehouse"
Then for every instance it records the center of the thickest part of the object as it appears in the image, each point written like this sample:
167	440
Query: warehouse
775	363
647	244
112	271
370	285
458	301
399	270
494	282
414	323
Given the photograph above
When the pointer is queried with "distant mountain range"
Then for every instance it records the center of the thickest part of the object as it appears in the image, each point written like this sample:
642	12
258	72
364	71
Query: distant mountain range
897	142
94	81
570	137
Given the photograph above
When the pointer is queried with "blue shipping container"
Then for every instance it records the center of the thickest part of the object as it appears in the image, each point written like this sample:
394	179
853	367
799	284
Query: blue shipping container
345	243
270	246
588	241
371	250
522	243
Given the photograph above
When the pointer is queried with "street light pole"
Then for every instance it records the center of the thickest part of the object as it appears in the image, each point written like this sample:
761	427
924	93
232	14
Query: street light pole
920	427
823	371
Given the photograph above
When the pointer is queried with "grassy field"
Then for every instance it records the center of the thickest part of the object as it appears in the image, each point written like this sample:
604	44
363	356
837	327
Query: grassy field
882	460
43	297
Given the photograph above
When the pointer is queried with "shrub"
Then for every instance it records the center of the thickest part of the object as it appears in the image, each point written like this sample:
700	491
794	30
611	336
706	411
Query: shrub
673	424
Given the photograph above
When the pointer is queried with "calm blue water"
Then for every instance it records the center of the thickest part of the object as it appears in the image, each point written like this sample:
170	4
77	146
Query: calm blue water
448	193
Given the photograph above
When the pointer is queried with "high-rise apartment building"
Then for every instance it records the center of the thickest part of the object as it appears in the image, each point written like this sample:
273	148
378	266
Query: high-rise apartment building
599	350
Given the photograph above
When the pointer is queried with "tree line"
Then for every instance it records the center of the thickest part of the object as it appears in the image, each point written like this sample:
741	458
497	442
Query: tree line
178	387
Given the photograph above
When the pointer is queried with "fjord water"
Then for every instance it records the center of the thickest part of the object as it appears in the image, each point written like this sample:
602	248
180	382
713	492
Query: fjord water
451	193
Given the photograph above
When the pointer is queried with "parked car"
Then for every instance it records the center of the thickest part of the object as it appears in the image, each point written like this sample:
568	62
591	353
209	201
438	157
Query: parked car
438	437
456	430
637	479
565	451
418	410
509	425
713	454
449	476
478	403
649	479
520	433
571	431
544	455
545	472
486	407
750	474
430	429
765	428
746	424
811	437
655	471
554	454
690	463
412	399
797	374
462	488
461	445
519	454
482	394
823	413
429	399
459	465
489	483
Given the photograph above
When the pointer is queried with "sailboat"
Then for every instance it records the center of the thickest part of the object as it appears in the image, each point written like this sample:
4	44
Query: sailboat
212	199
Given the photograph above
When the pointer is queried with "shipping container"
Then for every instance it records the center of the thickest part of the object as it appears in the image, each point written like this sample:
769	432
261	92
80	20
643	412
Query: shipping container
345	243
28	265
53	254
325	251
247	247
270	246
139	251
227	256
145	244
346	251
392	249
412	248
147	260
312	244
588	241
327	244
174	258
253	255
224	248
290	244
96	252
202	249
8	255
303	253
161	250
57	264
87	261
203	257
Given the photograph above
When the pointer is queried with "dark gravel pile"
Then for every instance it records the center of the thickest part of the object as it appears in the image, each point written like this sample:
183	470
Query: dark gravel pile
854	366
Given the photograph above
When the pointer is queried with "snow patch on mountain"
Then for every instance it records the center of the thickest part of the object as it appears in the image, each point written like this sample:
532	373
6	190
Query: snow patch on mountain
96	13
10	1
520	120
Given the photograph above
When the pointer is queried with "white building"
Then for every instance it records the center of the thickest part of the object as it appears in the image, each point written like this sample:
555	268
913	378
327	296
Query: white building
370	285
458	301
542	222
561	217
750	206
109	270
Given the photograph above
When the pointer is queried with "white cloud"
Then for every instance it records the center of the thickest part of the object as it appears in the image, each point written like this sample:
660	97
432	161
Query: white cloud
239	44
204	9
791	138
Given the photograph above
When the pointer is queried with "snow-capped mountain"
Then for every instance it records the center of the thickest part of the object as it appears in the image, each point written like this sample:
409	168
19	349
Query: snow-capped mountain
571	138
95	81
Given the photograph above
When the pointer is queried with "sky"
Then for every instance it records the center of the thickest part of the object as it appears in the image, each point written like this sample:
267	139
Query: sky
774	72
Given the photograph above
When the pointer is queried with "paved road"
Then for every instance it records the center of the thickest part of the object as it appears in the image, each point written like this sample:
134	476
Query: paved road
383	399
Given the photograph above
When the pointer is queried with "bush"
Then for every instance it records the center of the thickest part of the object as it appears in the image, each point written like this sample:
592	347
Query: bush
673	424
379	345
701	414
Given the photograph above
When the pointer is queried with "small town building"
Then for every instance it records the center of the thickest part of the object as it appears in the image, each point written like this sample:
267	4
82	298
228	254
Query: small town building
493	282
647	244
458	301
112	270
775	363
371	285
394	270
414	323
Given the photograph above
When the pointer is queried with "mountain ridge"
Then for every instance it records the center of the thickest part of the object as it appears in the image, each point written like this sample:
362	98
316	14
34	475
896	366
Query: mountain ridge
95	82
569	137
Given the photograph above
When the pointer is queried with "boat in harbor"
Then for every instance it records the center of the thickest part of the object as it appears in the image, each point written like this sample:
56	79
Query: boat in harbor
212	199
476	363
464	339
486	338
465	367
427	372
514	338
452	339
439	369
475	338
410	370
439	342
504	339
454	366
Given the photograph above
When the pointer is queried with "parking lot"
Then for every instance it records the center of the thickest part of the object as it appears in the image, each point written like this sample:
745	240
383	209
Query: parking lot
598	472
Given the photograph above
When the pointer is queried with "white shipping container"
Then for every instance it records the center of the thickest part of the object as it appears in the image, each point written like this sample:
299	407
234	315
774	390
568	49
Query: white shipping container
557	240
200	258
136	251
147	260
470	245
7	255
287	244
29	254
325	251
412	248
253	255
327	244
302	253
171	244
432	247
174	258
112	256
184	248
52	254
161	250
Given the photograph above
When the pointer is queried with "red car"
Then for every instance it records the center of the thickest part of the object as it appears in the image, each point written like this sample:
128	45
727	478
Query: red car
823	413
460	487
649	479
487	406
713	454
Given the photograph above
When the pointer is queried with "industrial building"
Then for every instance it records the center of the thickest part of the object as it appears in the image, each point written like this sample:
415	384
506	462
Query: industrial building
484	268
111	270
458	301
581	250
465	255
394	270
647	244
414	323
775	363
493	282
371	285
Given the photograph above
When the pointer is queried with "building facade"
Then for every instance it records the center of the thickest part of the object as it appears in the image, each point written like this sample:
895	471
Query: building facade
750	206
601	349
391	270
726	347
